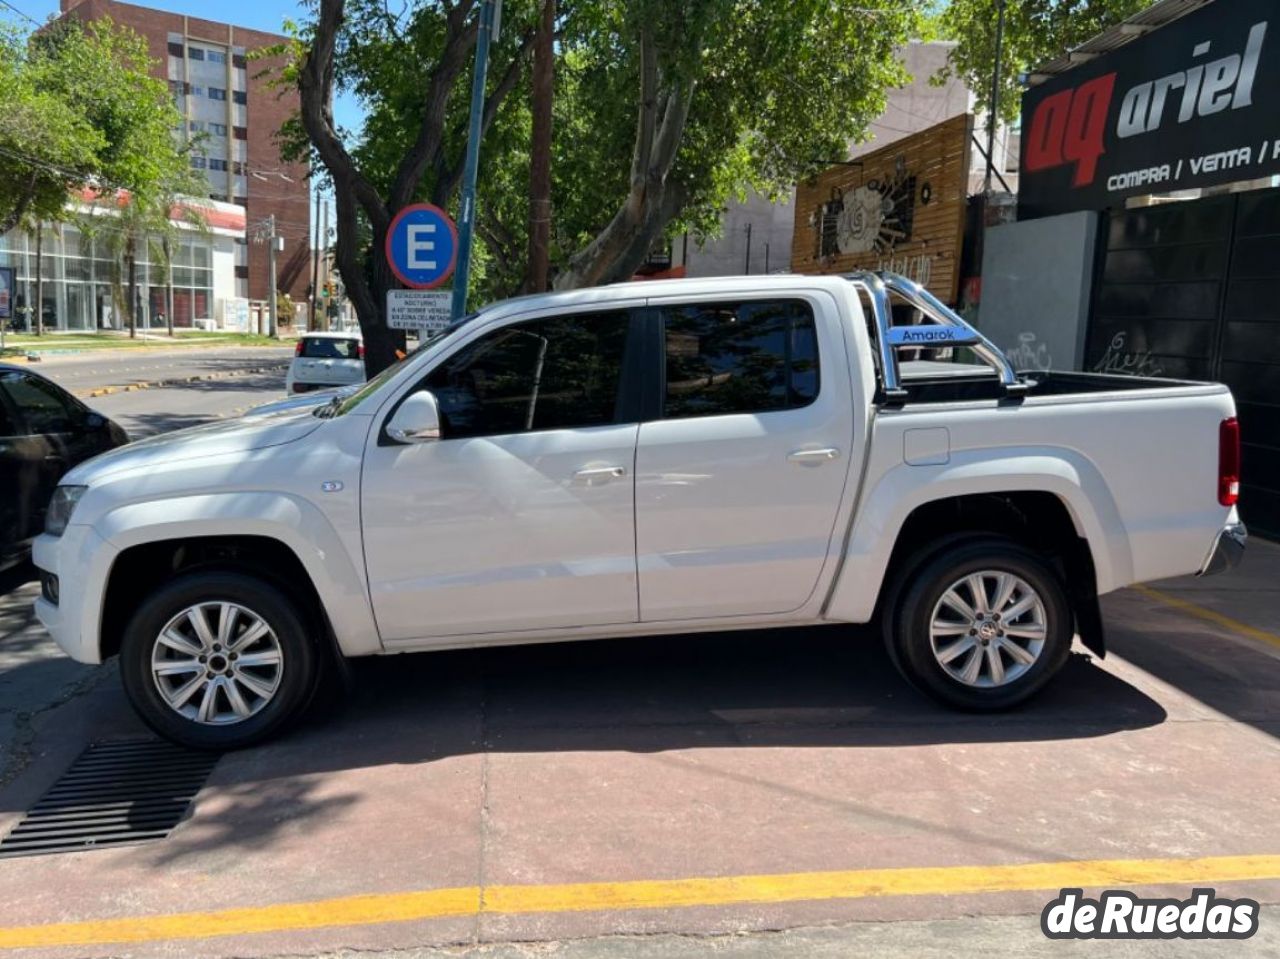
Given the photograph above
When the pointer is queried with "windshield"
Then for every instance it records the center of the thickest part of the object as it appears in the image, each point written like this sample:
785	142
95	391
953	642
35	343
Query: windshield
340	406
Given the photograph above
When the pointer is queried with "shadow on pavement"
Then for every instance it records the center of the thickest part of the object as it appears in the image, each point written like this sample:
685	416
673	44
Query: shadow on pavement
16	576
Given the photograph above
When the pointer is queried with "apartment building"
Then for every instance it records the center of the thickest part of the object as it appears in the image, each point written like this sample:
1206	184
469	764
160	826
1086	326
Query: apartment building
232	114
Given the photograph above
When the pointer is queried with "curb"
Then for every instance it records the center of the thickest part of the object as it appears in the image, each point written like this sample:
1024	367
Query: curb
177	381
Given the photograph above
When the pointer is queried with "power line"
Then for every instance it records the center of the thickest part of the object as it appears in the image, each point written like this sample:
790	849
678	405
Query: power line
25	16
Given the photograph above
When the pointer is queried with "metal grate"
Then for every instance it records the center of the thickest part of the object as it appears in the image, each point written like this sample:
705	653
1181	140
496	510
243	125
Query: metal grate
114	794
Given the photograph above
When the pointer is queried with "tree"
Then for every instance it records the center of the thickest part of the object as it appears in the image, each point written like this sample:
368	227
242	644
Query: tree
408	70
663	110
78	107
1035	31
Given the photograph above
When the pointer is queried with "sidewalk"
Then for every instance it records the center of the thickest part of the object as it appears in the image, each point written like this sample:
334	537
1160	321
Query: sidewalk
20	347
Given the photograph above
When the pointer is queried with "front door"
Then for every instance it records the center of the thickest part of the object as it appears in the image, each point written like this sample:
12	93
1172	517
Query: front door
521	516
739	481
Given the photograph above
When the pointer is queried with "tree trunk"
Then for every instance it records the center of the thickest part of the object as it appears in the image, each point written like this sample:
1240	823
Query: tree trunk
131	304
622	246
540	158
39	279
168	285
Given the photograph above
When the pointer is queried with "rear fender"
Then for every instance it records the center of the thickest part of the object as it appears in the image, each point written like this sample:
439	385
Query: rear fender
902	489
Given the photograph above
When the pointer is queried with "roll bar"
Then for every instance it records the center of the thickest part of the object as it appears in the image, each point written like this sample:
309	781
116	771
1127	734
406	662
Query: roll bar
947	329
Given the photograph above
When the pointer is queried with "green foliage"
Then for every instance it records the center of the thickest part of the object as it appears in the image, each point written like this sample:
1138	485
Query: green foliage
1035	31
78	107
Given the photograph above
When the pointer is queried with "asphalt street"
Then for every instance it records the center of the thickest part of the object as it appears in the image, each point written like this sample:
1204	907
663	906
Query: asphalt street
80	372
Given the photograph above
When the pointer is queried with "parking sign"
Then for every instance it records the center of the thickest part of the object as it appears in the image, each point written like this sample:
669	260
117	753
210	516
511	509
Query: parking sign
422	246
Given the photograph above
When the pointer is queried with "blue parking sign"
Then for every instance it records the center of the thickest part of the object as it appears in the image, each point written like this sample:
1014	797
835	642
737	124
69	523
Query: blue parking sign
422	246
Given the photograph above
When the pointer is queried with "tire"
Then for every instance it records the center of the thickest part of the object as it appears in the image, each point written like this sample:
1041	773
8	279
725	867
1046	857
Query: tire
1003	666
251	702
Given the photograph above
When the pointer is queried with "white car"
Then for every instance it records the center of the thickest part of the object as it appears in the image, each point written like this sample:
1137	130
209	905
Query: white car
667	457
322	361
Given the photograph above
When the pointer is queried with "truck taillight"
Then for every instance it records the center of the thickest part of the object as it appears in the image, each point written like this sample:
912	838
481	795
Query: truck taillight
1229	462
297	350
360	352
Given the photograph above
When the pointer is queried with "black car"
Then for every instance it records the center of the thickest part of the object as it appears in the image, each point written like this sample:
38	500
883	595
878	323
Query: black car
44	431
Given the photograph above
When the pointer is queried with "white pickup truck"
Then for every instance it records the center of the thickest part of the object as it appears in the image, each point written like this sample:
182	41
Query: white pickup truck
664	457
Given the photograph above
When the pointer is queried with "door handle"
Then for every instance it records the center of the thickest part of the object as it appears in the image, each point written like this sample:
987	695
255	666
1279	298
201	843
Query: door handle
595	475
814	457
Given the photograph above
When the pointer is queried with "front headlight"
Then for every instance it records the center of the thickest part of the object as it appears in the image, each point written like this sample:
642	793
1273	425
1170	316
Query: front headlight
61	507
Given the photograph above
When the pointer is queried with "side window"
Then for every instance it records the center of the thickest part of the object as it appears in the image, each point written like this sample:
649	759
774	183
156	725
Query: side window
38	403
749	357
555	373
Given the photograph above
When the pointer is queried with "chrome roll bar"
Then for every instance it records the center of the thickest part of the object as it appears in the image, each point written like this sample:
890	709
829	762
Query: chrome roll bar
948	329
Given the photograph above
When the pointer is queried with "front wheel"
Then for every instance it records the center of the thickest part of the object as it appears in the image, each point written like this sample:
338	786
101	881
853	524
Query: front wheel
218	660
981	626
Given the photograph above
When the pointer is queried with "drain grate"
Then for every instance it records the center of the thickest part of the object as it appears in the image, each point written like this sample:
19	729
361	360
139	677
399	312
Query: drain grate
114	794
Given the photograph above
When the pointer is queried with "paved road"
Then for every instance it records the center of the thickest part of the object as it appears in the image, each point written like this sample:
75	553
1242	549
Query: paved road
85	371
145	412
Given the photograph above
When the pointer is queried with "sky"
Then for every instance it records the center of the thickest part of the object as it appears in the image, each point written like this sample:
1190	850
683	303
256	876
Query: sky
268	15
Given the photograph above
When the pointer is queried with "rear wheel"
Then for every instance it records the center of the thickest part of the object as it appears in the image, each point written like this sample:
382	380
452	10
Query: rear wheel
981	626
218	660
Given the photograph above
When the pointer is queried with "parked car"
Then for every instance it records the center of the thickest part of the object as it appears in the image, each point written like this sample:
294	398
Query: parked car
322	361
680	457
44	431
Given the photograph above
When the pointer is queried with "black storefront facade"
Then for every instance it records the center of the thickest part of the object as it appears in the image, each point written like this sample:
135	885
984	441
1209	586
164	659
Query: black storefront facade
1174	138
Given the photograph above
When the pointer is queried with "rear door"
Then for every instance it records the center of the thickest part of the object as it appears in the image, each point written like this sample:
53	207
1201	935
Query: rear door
739	479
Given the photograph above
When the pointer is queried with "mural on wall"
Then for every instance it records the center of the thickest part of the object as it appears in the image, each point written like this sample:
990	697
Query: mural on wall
900	208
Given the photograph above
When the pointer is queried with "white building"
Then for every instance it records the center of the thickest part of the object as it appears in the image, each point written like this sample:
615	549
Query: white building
76	262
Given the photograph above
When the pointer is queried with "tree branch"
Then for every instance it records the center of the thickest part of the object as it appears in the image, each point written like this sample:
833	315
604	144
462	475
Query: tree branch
315	87
460	39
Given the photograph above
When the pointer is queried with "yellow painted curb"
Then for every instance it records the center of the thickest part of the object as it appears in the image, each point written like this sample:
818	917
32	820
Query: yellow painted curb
1210	615
419	905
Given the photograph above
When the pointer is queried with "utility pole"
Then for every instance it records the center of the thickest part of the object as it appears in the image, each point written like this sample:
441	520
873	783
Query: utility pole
993	110
273	329
747	265
315	268
328	274
466	227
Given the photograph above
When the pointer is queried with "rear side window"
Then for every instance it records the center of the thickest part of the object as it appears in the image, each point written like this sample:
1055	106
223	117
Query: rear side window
756	356
326	348
556	373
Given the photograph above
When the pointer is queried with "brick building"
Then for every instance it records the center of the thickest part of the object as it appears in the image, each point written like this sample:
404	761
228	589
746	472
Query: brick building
220	95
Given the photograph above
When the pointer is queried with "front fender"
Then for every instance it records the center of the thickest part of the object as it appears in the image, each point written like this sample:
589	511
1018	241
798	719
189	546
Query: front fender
337	576
902	489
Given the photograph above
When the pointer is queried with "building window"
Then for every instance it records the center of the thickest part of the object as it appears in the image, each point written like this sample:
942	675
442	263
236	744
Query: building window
198	163
195	53
242	272
239	97
195	126
220	197
216	164
213	56
217	93
218	129
241	133
176	87
196	91
238	61
175	50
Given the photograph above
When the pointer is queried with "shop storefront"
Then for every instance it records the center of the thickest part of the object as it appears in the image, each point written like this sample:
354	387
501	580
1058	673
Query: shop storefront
1164	153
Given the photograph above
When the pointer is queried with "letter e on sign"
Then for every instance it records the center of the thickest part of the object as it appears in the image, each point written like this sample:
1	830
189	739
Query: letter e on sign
422	246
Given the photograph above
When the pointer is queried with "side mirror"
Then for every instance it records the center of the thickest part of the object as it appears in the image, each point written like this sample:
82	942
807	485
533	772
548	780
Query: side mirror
417	420
94	421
